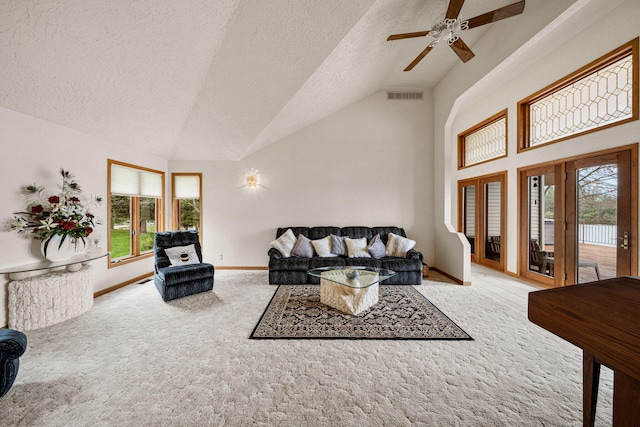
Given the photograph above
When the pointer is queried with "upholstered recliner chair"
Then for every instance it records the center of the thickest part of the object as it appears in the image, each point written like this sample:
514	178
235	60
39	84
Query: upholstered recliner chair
179	270
12	345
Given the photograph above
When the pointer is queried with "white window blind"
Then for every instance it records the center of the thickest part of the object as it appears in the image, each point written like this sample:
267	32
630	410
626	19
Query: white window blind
186	186
126	181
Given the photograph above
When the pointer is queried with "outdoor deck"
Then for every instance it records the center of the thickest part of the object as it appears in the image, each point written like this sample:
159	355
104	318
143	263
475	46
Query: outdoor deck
605	256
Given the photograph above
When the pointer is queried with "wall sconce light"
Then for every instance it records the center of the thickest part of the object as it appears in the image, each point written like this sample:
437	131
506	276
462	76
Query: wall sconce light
252	178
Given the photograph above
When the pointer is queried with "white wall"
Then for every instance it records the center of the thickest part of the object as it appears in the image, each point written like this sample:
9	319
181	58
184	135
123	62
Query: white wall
368	164
33	151
598	27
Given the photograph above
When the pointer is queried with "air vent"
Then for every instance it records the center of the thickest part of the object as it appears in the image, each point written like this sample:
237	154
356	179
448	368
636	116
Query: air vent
405	96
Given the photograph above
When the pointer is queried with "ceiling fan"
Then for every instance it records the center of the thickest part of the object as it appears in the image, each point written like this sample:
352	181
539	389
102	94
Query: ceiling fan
448	29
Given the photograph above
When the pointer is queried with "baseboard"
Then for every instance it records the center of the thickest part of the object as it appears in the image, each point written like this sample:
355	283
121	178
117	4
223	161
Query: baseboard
447	275
248	267
122	285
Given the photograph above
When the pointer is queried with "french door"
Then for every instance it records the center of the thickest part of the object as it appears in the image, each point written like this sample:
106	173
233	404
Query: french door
580	221
601	237
482	218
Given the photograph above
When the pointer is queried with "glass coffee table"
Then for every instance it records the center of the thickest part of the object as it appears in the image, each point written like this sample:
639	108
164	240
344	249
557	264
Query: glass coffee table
350	289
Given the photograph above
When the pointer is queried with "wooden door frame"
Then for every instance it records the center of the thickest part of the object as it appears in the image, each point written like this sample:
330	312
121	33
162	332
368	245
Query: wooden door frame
565	215
461	217
627	190
523	229
479	249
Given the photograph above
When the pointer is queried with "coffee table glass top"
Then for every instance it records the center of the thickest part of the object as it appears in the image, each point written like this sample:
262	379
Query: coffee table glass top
353	276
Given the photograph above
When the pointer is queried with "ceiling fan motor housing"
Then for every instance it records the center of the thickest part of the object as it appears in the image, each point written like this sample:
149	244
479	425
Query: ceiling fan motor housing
447	30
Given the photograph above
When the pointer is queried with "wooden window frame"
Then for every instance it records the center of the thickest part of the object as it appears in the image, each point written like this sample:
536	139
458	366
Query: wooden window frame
135	217
462	139
175	203
523	108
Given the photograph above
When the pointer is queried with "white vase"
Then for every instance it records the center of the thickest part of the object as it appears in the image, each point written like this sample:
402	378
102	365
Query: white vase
57	252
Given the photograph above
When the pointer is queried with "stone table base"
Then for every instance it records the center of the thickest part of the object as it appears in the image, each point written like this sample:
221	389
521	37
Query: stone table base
348	300
50	298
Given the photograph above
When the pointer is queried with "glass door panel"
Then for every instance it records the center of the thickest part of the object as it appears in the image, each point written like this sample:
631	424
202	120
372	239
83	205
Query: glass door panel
601	217
596	222
541	208
493	220
469	215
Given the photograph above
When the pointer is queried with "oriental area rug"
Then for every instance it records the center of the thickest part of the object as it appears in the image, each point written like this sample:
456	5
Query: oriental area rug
295	311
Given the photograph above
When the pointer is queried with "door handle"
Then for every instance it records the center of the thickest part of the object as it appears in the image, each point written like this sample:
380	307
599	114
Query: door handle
625	241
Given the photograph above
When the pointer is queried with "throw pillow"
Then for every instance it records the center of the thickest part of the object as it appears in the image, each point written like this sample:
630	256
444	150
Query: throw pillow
398	246
303	247
182	255
357	248
323	247
285	243
376	247
337	245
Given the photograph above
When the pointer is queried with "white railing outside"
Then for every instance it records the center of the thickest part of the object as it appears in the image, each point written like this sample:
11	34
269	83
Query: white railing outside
598	234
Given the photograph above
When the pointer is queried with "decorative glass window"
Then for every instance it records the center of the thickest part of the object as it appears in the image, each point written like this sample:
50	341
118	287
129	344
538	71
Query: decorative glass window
483	142
602	94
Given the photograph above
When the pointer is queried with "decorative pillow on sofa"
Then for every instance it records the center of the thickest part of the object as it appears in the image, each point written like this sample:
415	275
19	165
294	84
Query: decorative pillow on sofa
182	255
398	246
285	243
323	247
337	245
357	248
376	247
303	247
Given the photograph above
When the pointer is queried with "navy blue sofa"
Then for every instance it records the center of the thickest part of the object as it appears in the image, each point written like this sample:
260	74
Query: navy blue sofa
293	270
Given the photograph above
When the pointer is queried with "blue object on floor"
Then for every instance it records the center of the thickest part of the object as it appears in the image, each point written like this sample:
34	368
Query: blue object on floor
177	281
12	345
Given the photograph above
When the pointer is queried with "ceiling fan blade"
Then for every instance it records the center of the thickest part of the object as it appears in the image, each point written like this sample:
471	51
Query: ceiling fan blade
498	14
418	58
455	6
462	50
407	35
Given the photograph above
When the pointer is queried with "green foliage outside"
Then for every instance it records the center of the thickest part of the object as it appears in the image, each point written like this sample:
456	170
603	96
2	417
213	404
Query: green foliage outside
189	214
146	239
120	243
121	217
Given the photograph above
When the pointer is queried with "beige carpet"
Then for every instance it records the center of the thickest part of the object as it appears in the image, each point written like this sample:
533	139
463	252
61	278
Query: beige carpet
133	360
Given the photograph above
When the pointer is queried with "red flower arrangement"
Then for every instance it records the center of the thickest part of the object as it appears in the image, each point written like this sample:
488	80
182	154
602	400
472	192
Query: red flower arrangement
64	215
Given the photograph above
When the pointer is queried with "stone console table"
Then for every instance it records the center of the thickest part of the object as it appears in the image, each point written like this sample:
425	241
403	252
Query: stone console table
52	297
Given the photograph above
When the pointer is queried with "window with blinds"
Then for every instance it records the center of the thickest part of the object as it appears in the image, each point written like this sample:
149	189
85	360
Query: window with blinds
131	181
187	201
135	211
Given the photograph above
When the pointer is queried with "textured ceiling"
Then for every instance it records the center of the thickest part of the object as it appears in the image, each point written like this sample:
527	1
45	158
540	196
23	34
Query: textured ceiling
211	80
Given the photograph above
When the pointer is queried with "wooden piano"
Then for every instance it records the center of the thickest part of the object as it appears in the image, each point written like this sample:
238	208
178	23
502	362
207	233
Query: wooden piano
603	319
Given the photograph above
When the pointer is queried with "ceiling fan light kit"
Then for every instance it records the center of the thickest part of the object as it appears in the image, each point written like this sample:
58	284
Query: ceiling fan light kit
449	28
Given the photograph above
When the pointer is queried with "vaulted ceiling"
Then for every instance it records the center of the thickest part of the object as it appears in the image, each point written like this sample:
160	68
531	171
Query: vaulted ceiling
212	80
